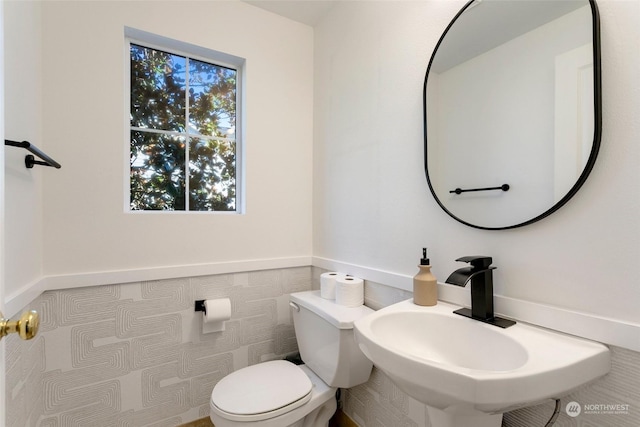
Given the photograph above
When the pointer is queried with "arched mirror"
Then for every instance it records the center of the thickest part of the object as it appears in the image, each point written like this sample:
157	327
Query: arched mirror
512	109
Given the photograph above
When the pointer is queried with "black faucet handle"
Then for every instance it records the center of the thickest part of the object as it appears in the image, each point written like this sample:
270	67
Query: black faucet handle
478	262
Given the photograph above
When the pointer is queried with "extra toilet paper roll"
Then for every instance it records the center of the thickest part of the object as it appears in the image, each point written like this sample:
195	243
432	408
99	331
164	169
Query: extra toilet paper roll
216	312
328	284
349	291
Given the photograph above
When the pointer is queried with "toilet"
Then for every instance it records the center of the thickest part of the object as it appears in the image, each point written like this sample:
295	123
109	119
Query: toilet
279	393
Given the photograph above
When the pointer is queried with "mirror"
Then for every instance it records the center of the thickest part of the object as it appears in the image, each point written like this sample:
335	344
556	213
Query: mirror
512	110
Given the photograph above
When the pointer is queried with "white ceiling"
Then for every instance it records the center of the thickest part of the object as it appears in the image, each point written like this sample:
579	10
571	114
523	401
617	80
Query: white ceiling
308	12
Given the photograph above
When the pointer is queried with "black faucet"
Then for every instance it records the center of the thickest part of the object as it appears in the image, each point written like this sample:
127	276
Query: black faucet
481	276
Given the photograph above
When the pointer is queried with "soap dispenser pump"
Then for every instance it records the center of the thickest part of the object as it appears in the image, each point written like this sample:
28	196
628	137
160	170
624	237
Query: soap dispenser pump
425	284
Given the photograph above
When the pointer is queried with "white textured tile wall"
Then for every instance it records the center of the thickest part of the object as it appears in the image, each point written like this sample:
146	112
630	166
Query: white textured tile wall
379	403
613	401
133	354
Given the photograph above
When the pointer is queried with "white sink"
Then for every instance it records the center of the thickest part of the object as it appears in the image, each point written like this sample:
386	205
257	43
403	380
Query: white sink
468	372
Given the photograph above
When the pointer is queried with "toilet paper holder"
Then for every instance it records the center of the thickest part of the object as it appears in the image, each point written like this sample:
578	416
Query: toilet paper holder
215	313
199	306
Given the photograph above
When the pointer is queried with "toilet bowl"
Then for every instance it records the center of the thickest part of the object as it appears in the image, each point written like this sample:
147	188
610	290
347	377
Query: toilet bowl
269	401
279	393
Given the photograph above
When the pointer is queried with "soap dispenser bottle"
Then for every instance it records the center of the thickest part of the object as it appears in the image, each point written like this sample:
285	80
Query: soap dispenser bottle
425	284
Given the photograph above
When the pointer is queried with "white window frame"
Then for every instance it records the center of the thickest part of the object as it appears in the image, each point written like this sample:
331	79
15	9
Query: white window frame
165	44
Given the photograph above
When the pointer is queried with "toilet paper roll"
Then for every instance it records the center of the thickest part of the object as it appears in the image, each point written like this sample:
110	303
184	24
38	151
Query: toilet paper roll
328	284
349	291
215	314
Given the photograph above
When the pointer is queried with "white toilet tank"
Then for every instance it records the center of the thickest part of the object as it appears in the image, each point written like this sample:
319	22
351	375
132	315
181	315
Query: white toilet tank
327	345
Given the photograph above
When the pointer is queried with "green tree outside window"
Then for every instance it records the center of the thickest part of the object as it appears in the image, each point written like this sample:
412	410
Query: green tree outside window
183	137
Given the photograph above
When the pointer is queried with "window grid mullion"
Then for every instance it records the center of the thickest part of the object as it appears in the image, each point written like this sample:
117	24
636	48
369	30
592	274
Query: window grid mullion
178	133
188	140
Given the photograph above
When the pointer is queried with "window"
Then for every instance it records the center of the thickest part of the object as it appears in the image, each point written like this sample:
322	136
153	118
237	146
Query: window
183	146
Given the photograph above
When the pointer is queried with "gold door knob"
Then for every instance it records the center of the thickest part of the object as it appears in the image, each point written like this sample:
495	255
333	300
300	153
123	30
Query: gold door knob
26	327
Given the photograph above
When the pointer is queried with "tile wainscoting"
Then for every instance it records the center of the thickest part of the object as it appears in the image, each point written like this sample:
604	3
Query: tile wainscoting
379	403
134	355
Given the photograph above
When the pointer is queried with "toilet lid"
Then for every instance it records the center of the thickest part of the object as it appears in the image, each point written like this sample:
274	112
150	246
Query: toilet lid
262	388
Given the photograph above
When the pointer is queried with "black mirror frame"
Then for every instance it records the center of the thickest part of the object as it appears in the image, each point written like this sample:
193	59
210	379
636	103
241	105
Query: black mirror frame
597	134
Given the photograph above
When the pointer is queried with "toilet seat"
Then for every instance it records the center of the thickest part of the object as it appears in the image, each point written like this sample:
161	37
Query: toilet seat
261	391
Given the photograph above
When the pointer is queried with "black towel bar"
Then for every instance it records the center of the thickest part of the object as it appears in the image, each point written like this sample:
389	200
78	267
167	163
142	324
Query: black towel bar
29	160
503	187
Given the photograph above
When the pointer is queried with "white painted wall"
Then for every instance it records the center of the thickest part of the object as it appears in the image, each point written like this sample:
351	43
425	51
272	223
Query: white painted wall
85	125
372	206
2	221
23	122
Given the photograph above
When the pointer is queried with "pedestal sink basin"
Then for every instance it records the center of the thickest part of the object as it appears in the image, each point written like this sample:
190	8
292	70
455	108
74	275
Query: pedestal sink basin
467	372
